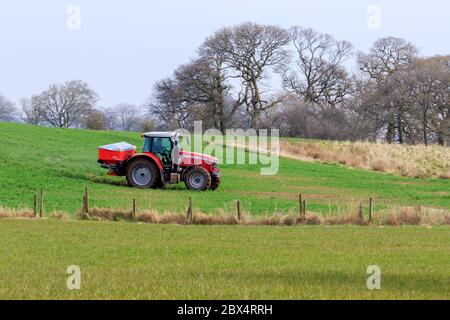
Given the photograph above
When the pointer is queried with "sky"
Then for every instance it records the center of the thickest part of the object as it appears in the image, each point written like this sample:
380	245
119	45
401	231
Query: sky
120	48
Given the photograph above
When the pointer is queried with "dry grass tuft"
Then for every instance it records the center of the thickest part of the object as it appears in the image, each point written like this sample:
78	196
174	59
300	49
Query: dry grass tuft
16	213
350	219
59	215
436	217
207	219
309	219
100	213
446	220
274	220
106	214
403	216
149	217
165	218
173	218
444	175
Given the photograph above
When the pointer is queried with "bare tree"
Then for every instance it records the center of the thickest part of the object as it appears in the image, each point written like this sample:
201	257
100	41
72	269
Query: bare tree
147	124
7	109
250	51
441	118
318	75
168	104
430	99
64	105
296	118
96	120
125	117
204	84
31	114
386	57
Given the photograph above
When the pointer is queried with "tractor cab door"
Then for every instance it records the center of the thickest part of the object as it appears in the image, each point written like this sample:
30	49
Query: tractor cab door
162	148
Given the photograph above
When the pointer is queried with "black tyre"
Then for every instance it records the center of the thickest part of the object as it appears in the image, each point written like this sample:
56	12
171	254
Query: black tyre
198	179
143	174
159	184
215	183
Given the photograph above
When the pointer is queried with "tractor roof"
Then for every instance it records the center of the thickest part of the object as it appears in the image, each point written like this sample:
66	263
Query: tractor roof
169	134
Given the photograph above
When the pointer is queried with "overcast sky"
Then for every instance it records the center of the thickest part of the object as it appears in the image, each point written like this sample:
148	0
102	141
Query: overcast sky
122	47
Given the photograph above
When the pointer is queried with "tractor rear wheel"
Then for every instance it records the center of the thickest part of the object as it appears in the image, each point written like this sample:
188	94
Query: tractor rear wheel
142	174
198	179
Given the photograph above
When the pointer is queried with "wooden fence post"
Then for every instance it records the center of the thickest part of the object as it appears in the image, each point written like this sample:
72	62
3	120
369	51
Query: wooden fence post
304	207
133	212
361	212
35	205
190	216
42	201
300	203
370	209
83	210
86	195
238	205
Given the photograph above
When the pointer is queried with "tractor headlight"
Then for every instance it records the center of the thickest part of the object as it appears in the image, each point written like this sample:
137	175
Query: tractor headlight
214	165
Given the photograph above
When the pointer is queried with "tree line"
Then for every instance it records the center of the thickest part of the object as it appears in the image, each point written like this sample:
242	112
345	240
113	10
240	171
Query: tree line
74	104
306	83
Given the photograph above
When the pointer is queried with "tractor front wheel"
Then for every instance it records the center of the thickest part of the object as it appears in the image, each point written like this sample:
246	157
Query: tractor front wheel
142	174
215	183
198	179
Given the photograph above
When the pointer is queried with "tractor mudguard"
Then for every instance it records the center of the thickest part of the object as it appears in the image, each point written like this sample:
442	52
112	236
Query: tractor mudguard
150	156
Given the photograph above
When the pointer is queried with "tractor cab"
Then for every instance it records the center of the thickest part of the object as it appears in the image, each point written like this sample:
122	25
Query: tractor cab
165	146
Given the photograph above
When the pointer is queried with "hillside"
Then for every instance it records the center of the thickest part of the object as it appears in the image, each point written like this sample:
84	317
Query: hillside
63	163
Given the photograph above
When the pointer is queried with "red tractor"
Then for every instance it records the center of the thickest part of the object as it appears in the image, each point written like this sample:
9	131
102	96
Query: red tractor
162	162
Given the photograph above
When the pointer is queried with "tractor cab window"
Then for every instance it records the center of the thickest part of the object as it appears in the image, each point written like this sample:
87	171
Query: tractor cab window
160	147
147	145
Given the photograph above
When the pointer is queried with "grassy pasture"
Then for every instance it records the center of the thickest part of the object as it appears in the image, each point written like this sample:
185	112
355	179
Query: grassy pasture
140	261
63	162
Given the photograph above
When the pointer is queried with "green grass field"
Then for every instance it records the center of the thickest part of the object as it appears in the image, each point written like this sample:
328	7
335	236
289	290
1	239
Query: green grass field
63	162
124	260
141	261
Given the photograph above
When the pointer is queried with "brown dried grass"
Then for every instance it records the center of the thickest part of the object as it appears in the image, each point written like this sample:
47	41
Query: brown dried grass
403	216
107	214
410	161
16	213
349	219
309	219
395	216
59	215
165	218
